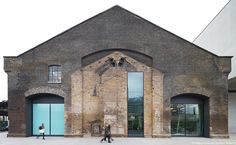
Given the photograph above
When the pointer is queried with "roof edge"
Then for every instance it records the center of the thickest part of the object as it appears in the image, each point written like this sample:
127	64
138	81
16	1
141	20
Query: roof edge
9	56
84	21
170	32
226	56
117	6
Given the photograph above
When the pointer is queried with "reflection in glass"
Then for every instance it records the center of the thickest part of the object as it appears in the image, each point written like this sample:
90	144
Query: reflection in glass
178	119
194	124
54	74
186	119
135	103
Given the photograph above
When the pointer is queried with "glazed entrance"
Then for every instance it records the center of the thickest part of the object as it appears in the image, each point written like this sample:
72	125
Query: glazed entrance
189	115
47	109
187	119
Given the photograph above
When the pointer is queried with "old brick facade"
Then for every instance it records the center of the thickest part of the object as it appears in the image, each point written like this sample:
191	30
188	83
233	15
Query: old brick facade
171	65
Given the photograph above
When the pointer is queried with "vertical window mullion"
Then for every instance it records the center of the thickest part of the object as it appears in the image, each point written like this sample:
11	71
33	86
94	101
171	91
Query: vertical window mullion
50	132
185	119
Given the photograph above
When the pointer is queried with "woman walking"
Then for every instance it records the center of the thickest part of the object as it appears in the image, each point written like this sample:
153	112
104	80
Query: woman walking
107	134
41	130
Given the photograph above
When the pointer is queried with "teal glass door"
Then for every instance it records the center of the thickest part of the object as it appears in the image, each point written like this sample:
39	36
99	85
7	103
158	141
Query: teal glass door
57	119
52	115
135	104
41	115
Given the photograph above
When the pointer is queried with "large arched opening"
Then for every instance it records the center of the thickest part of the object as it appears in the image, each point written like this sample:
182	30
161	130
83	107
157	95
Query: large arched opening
47	109
190	115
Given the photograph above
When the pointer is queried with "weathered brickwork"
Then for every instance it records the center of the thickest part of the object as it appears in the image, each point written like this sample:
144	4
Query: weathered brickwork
107	94
94	87
157	104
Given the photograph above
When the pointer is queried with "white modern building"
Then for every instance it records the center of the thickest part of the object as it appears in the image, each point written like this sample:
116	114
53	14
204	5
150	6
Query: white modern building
219	37
232	105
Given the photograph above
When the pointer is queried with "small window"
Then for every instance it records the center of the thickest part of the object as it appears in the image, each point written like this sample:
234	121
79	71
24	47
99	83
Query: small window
54	74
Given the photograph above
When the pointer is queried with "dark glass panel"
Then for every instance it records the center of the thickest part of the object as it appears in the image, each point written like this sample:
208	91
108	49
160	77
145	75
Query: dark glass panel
187	120
178	119
194	126
135	104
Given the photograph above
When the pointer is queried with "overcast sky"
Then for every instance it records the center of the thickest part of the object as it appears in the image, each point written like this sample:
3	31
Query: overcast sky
27	23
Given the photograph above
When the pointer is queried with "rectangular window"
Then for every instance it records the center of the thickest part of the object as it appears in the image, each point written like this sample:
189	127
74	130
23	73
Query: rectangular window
54	74
135	104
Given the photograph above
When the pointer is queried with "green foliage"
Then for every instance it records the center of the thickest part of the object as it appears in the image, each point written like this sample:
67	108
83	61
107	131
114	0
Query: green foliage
1	123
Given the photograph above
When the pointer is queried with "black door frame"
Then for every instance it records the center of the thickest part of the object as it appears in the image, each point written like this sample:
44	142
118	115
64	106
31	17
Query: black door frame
190	98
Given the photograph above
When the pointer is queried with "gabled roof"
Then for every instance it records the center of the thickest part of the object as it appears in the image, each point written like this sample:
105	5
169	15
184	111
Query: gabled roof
120	11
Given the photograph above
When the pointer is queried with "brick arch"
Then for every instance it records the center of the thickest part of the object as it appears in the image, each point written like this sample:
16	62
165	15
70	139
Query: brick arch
200	96
45	90
38	99
197	91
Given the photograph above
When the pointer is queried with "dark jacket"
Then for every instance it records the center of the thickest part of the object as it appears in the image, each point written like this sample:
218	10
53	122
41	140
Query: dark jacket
107	131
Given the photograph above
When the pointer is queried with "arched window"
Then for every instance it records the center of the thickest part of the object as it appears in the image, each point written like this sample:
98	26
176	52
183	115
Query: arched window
54	74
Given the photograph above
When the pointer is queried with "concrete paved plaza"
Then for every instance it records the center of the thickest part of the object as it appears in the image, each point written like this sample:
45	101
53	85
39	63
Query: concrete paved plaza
117	141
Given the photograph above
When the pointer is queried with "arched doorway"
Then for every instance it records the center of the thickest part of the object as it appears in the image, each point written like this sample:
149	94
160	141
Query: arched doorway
47	109
189	115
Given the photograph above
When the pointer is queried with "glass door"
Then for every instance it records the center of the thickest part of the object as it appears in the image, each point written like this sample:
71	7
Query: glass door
51	115
194	120
57	119
135	104
178	119
187	120
41	114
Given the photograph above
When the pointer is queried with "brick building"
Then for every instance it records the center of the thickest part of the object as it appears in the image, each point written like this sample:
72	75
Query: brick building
117	68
